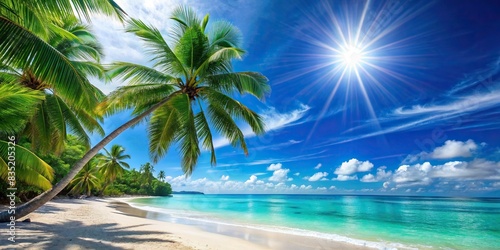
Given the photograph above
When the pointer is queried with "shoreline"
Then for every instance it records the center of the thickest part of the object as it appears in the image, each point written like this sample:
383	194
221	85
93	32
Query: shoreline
113	224
266	238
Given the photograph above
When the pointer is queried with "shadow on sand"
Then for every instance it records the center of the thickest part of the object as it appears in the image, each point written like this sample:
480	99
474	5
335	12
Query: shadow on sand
73	234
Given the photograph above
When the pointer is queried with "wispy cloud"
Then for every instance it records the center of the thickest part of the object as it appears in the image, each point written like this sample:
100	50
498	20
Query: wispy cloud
453	110
316	155
274	120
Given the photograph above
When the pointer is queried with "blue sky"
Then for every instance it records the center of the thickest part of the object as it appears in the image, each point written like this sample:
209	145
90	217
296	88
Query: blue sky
367	97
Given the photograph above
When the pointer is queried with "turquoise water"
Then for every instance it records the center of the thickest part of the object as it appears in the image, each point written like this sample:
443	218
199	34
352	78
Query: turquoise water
414	222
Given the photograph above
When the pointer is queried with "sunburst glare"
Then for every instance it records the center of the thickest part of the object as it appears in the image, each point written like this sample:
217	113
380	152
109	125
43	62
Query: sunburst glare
356	49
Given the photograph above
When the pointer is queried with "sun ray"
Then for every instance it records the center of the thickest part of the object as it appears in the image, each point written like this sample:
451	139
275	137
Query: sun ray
351	50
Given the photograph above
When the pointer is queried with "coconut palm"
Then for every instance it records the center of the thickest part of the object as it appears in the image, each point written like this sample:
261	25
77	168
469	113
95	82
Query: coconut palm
147	171
86	180
25	26
18	104
192	76
59	114
161	175
112	165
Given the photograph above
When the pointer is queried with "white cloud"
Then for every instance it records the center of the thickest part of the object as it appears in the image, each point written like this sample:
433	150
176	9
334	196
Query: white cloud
321	188
424	174
280	175
332	187
318	166
259	182
353	166
304	187
317	176
381	175
274	167
224	177
297	174
368	178
251	180
451	149
345	178
273	120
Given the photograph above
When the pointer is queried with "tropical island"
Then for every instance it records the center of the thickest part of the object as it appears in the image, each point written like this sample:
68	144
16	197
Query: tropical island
133	125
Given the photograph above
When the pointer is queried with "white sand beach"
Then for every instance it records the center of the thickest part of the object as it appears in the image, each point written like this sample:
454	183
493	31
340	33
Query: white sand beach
97	224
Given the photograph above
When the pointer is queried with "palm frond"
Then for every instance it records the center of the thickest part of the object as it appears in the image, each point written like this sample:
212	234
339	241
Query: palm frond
22	49
30	169
216	59
163	56
137	74
91	69
235	109
225	125
187	134
244	82
203	131
163	127
72	121
138	96
184	17
192	48
224	34
18	104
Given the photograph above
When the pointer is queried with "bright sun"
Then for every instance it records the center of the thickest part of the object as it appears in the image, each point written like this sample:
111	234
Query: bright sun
351	56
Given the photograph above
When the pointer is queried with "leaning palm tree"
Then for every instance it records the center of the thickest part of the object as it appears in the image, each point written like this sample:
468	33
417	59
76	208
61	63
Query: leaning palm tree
161	175
188	88
112	165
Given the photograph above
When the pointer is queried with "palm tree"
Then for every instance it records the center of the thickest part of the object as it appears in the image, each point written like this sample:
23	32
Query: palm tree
18	104
161	175
193	75
25	26
111	165
147	171
86	180
58	113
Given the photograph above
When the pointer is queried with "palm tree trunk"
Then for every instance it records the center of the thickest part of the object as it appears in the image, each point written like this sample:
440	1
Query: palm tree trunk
46	196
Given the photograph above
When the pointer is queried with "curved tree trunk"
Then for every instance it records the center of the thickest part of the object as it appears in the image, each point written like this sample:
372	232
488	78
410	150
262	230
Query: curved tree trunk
46	196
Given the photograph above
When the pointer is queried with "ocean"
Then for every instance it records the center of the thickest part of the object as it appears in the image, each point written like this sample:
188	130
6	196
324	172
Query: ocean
384	222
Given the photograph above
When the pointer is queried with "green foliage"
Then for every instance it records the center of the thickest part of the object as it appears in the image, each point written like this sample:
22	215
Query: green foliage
133	182
87	180
112	164
17	104
161	188
192	73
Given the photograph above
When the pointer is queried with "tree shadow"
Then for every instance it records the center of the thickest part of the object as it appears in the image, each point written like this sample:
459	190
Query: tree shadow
36	235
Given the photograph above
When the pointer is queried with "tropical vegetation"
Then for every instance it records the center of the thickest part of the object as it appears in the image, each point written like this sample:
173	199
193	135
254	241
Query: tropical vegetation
186	95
